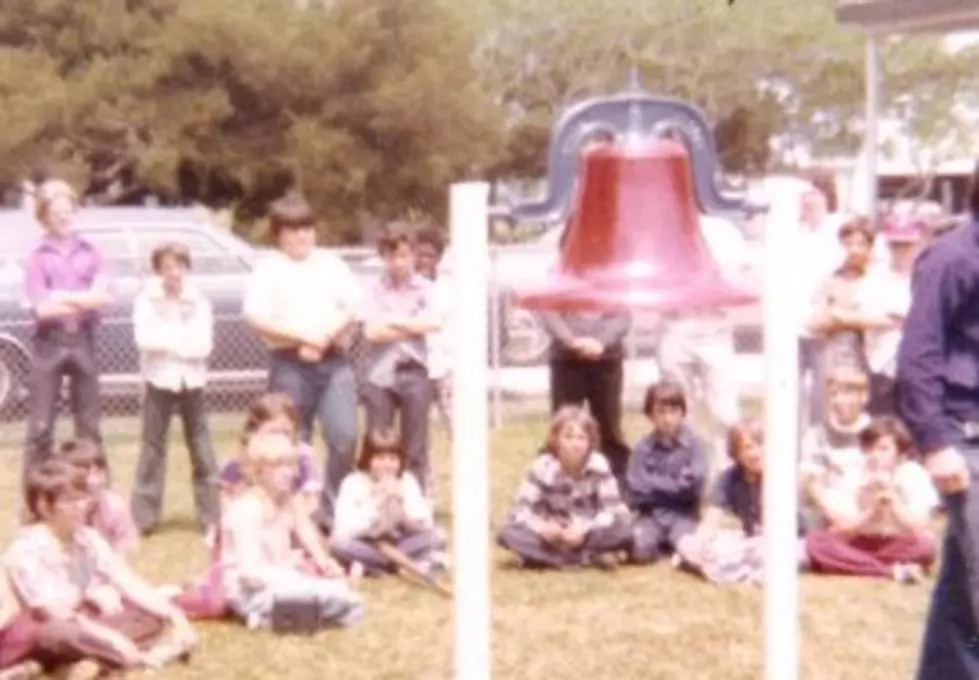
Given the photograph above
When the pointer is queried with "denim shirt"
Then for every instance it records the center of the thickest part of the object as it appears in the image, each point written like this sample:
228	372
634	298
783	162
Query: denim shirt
938	360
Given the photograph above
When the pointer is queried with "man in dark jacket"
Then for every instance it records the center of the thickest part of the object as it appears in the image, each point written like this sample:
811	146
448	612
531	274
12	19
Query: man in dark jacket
938	397
587	355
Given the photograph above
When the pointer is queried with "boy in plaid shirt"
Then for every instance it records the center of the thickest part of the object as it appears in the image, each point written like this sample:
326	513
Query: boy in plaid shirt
568	511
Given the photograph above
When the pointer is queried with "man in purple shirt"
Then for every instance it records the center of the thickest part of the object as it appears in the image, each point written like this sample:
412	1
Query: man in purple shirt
65	287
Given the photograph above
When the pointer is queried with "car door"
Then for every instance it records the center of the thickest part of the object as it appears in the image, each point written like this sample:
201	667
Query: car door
116	353
221	273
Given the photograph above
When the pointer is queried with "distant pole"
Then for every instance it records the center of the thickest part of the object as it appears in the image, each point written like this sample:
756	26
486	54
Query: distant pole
781	406
872	142
468	220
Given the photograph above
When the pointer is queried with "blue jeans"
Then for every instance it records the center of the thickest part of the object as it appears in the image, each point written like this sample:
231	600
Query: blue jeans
340	606
950	650
327	391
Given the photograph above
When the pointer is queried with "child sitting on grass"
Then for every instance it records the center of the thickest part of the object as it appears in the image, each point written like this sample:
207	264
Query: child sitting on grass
110	515
727	555
882	530
666	475
260	527
831	461
382	503
64	574
568	511
275	413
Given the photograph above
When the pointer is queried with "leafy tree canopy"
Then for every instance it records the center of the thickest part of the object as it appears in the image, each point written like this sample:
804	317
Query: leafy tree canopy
374	107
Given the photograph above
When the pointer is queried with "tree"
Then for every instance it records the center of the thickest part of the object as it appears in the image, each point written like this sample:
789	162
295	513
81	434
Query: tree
774	75
371	109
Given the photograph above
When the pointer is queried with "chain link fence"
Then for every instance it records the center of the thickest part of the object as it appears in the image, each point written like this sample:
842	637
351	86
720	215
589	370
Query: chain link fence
708	351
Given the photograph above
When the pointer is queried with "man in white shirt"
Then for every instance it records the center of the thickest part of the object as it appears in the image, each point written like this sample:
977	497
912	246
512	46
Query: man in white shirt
904	237
173	324
302	299
704	343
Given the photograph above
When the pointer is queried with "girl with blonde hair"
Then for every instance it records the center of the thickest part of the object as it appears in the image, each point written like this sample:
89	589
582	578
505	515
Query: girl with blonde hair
263	575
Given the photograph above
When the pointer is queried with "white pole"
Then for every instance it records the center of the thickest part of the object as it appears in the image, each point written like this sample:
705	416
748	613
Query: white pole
468	220
780	495
871	143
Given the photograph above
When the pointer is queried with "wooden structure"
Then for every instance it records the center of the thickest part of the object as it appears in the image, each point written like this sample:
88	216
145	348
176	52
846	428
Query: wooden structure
882	18
890	17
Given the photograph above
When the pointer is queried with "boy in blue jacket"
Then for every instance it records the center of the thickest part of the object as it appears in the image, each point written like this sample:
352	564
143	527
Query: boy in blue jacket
666	475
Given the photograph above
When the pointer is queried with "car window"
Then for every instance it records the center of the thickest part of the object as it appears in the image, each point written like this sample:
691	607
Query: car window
116	250
208	255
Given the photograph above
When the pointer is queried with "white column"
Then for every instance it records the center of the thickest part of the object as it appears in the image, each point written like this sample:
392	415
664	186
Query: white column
468	220
780	496
871	140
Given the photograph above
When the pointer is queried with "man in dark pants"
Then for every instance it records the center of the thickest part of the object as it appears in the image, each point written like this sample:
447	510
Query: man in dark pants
65	285
938	396
302	300
587	355
400	314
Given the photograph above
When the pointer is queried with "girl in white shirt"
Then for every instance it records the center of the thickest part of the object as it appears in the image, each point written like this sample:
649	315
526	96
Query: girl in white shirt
382	502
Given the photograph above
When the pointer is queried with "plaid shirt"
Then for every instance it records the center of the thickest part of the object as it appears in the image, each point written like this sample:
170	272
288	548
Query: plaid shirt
44	573
549	493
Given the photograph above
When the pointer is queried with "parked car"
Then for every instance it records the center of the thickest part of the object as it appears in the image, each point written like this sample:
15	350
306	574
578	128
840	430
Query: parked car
125	237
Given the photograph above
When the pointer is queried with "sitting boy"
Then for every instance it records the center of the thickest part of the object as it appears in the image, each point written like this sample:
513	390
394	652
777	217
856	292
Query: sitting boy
666	475
831	460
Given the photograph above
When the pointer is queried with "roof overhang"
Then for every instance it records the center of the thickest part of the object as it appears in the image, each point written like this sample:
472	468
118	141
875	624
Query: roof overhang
890	17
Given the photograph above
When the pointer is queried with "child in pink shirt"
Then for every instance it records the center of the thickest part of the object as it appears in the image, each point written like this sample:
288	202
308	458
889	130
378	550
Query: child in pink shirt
110	515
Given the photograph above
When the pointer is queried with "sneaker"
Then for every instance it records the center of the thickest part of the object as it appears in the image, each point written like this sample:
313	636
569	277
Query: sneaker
28	670
908	573
83	670
676	561
914	573
606	561
440	561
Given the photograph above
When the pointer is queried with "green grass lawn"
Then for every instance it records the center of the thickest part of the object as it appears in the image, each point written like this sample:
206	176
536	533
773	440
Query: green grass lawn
636	624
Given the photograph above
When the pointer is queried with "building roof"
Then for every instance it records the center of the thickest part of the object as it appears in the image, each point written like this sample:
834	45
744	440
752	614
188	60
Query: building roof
909	16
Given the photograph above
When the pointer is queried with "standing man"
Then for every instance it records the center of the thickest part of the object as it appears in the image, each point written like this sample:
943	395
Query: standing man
301	299
587	358
173	323
399	318
65	286
938	397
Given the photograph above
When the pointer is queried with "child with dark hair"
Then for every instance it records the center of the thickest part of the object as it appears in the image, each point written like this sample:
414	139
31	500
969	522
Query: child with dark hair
110	514
382	502
569	511
666	475
882	530
63	573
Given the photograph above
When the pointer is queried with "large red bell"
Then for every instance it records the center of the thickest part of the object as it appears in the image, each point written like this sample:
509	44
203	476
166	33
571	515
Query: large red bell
633	239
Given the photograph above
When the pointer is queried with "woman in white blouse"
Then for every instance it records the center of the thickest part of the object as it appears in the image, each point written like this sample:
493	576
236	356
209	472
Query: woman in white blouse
381	502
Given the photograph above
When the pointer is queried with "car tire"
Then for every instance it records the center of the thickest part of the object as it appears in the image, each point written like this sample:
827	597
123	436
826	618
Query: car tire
13	380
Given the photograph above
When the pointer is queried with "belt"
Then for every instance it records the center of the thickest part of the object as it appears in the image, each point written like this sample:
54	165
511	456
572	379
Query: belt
292	353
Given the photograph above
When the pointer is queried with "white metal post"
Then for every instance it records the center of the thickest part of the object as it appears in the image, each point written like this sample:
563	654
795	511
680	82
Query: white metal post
468	220
780	495
871	141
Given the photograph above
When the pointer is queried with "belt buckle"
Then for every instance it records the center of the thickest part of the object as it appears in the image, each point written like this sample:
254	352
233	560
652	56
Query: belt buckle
970	429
